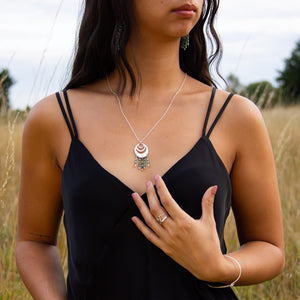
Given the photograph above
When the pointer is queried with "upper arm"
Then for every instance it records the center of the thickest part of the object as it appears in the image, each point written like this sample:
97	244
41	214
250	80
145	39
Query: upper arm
255	195
40	203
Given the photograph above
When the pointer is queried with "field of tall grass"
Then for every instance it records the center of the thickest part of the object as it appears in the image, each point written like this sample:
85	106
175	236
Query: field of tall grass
283	125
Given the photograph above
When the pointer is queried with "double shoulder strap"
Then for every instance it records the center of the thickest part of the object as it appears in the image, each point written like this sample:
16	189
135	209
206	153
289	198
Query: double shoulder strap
73	130
70	121
217	117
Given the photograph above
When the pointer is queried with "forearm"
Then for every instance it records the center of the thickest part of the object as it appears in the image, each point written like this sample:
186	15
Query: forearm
40	268
260	261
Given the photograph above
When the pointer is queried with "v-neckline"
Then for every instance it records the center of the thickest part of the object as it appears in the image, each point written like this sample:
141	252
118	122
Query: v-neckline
118	180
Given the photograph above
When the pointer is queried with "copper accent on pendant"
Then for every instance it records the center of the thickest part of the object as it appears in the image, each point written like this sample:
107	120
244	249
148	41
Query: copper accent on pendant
141	160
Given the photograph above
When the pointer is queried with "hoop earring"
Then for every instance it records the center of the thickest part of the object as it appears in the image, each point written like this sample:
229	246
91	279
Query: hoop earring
185	42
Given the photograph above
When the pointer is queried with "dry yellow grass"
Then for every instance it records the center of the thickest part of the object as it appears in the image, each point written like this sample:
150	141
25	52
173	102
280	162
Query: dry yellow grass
283	125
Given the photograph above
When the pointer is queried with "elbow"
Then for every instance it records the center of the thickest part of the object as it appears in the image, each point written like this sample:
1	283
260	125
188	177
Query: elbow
18	253
281	261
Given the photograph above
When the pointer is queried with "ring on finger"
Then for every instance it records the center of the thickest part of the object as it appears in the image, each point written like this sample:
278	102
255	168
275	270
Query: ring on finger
161	218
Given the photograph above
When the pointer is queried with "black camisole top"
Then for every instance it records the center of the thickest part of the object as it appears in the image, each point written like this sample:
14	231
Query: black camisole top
108	257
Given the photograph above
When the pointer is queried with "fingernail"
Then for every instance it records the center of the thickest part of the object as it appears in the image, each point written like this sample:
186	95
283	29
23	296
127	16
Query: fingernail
156	178
133	219
148	183
214	190
134	196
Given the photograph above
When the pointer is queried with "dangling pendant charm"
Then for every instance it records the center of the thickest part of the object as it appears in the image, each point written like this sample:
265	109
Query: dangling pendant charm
141	160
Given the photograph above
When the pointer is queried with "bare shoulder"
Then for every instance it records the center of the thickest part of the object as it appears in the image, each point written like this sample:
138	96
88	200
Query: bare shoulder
241	113
241	109
44	118
45	131
43	111
244	116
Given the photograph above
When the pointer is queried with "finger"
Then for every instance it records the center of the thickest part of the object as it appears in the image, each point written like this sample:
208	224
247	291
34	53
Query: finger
155	207
148	217
169	204
208	204
147	232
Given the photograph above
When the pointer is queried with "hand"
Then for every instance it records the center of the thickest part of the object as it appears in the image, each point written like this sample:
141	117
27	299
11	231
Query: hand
194	244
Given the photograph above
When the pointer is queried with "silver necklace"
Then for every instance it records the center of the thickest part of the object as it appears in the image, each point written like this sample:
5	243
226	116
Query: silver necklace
141	150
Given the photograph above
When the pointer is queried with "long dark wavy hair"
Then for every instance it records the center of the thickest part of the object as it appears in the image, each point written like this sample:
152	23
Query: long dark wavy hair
104	33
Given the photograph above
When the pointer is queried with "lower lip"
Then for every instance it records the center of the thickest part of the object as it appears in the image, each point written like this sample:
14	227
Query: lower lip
185	13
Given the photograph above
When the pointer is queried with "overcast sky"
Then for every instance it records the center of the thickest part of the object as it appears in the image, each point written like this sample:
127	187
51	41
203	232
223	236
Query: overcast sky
37	41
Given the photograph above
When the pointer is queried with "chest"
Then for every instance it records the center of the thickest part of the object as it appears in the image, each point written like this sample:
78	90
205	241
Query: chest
110	140
87	185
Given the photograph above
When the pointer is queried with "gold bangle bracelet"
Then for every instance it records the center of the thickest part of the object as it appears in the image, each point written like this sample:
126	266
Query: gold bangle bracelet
235	281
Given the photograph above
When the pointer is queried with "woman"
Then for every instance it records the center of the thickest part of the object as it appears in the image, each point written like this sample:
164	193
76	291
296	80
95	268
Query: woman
145	158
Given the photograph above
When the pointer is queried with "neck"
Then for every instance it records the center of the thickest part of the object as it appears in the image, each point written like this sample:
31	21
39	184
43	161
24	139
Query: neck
155	64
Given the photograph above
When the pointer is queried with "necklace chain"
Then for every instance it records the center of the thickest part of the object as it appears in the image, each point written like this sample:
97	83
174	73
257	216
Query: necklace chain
157	122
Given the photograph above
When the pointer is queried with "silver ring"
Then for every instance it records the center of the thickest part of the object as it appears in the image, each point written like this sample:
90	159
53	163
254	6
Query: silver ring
160	219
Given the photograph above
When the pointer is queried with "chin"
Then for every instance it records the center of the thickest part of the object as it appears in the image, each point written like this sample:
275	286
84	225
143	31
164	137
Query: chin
183	29
182	33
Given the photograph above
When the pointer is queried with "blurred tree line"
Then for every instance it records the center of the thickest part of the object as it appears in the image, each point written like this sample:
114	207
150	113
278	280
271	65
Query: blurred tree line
263	93
5	83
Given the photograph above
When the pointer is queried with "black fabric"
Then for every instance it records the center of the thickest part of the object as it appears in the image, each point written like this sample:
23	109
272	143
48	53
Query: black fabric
108	258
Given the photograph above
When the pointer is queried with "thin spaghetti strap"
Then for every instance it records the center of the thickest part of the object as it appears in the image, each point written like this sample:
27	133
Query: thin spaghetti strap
70	113
208	110
65	115
219	114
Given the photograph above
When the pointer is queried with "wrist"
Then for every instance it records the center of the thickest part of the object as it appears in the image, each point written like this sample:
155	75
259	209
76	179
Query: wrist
230	271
